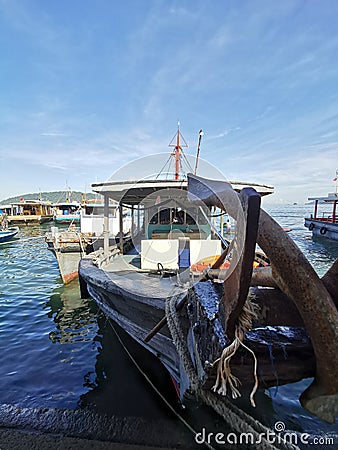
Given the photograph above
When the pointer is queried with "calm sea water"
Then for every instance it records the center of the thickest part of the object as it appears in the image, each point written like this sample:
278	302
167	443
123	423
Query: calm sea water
59	351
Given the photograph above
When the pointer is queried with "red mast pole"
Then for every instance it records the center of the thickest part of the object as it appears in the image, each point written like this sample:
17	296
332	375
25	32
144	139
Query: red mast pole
178	151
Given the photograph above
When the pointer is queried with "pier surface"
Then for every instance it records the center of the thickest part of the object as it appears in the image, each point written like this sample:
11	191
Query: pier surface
49	428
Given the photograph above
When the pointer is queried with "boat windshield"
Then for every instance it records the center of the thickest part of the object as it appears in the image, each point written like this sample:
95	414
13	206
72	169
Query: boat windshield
177	216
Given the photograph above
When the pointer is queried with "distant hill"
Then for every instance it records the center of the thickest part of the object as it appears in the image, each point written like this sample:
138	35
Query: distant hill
53	197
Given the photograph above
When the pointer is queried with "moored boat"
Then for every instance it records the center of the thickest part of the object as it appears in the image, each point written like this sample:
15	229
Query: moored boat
27	212
324	223
70	245
197	302
67	213
8	233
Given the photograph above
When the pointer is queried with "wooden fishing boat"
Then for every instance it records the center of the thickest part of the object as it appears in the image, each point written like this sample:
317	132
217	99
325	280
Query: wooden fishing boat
70	245
8	234
30	212
67	213
237	321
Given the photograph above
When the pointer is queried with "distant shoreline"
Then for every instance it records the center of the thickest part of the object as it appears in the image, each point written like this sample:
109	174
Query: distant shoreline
52	196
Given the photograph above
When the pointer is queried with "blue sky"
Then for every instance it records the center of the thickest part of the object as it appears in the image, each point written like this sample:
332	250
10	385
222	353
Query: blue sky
87	86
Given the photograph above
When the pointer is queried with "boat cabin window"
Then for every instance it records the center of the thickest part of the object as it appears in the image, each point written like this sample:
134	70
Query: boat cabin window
30	210
177	216
98	211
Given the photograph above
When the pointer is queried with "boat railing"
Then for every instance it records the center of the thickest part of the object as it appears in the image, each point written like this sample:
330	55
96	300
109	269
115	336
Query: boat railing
324	218
100	259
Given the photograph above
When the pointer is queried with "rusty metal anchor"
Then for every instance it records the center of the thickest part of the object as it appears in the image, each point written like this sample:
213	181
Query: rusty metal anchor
295	276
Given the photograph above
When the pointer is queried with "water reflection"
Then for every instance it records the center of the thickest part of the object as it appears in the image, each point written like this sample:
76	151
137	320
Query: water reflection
59	351
321	253
75	318
327	247
117	386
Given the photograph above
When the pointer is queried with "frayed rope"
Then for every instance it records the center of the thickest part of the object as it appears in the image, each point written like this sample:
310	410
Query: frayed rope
224	375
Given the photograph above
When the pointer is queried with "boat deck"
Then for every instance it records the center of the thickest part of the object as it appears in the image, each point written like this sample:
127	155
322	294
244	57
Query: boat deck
125	272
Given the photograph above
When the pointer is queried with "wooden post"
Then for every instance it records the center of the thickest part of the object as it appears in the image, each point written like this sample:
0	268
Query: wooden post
145	220
334	211
106	225
132	221
316	209
121	228
138	218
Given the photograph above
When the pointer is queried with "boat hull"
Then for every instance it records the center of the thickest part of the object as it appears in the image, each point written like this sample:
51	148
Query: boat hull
69	247
9	234
132	310
278	349
67	219
29	220
68	264
322	228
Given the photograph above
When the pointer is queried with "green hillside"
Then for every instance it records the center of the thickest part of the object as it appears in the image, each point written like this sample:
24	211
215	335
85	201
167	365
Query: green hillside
53	197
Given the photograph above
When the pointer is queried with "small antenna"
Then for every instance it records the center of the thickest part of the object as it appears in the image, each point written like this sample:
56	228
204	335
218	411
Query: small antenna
198	149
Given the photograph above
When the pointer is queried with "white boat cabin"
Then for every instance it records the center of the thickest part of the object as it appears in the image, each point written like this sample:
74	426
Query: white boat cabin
92	218
168	230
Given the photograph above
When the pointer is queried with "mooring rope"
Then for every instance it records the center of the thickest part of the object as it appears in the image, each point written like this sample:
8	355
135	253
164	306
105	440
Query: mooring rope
158	392
239	421
79	235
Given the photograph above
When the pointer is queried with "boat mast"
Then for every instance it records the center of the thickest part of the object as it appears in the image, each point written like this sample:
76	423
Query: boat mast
69	195
177	151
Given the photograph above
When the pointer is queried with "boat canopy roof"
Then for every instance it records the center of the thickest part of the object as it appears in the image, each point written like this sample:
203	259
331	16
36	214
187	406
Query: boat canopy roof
31	202
98	204
66	204
133	192
329	199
